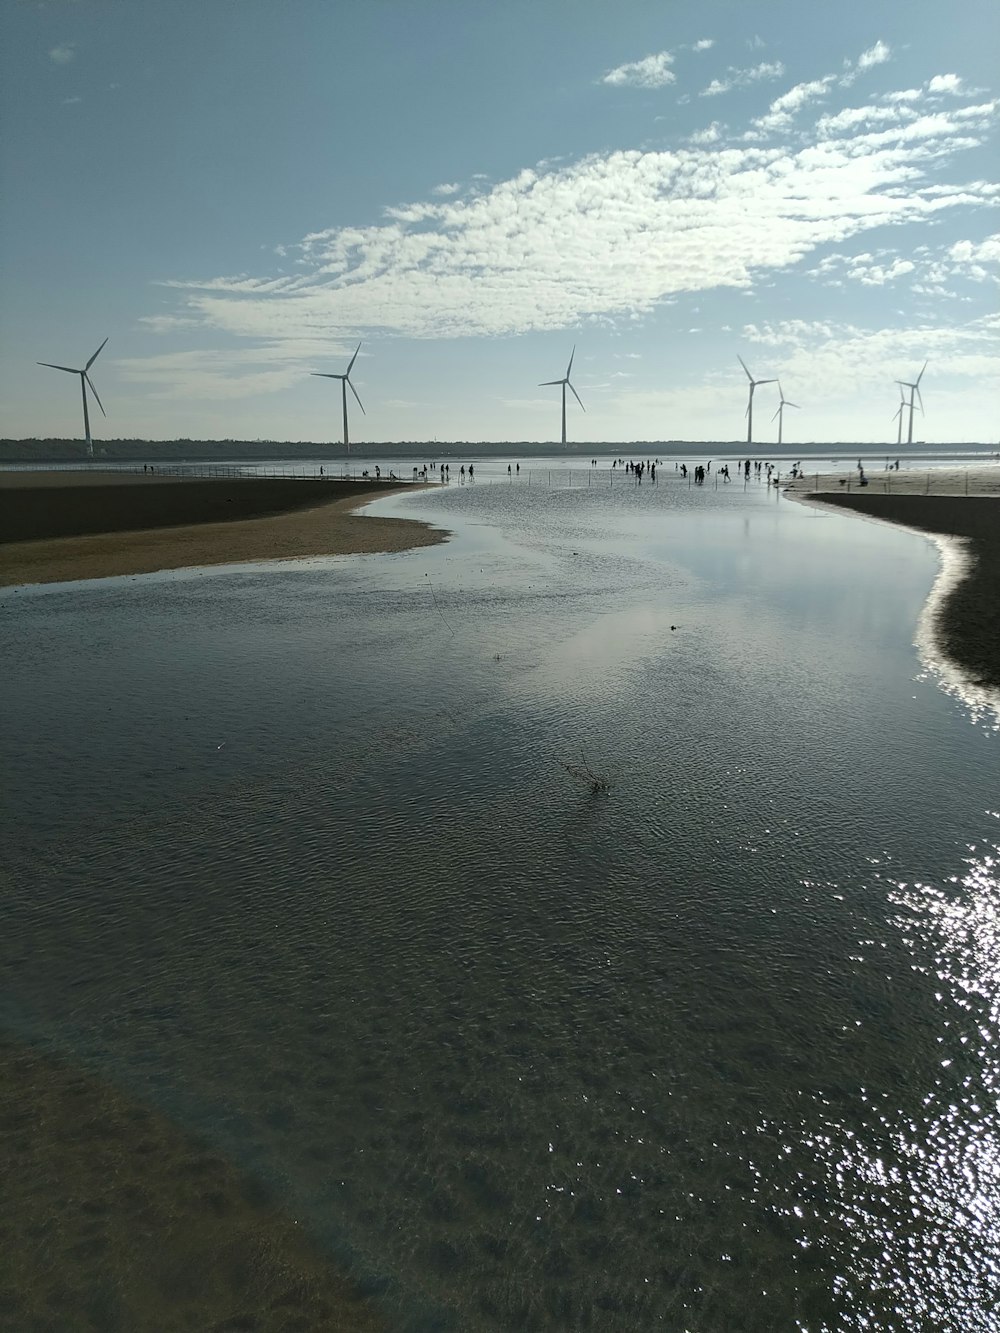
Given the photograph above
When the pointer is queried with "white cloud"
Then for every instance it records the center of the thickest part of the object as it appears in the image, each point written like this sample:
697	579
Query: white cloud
831	357
610	237
739	78
71	101
168	323
63	54
978	262
937	273
784	108
711	134
446	189
945	83
988	250
650	72
705	44
875	55
852	117
211	373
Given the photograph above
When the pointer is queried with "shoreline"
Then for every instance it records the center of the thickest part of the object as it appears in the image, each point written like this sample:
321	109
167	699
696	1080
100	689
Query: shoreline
57	527
957	512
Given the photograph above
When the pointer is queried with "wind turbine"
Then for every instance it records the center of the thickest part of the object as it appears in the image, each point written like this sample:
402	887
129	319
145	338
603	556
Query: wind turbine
345	380
780	414
914	389
898	416
564	382
749	411
84	381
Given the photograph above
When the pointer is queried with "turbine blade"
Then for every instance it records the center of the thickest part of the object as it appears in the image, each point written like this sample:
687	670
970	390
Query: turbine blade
95	356
355	392
575	394
545	383
786	403
94	392
756	382
68	369
744	365
780	406
919	399
353	359
569	368
922	369
323	375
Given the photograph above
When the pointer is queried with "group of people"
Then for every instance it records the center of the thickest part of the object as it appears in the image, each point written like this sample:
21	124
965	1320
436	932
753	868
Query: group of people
767	470
420	473
638	469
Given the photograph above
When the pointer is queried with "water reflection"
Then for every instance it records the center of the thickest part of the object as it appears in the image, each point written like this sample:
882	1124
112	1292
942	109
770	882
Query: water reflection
913	1182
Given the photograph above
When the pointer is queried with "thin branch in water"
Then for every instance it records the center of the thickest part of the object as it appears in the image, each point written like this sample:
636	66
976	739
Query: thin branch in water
437	608
585	773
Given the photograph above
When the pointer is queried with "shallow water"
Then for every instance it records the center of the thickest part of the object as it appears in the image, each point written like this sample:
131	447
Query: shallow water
294	853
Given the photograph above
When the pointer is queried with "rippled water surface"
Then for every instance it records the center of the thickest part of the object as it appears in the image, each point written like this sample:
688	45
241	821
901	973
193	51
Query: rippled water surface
294	853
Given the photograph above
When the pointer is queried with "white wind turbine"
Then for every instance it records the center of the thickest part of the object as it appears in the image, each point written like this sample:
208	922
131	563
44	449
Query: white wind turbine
914	389
749	411
564	382
780	414
345	380
898	416
84	381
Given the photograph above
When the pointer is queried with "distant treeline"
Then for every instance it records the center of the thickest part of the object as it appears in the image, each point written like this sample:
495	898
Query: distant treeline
205	451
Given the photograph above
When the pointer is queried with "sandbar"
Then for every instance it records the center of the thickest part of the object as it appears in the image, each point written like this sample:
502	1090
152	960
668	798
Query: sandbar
60	526
962	505
114	1218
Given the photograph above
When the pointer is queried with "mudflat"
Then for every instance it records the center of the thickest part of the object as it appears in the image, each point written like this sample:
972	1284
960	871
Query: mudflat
60	526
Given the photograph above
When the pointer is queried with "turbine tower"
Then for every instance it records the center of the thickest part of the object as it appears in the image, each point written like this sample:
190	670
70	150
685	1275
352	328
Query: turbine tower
780	414
84	381
345	380
749	411
564	382
898	416
914	389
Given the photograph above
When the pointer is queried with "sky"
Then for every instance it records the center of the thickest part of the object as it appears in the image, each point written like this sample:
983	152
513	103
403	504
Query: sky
236	193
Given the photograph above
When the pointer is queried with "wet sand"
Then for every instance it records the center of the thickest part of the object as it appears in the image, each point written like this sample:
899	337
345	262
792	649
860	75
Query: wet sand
60	526
113	1219
961	504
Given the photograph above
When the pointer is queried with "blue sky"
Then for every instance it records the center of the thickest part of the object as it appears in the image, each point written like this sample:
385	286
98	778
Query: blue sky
236	192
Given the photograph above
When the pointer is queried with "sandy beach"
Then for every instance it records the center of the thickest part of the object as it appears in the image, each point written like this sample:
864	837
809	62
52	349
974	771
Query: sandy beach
59	526
962	504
